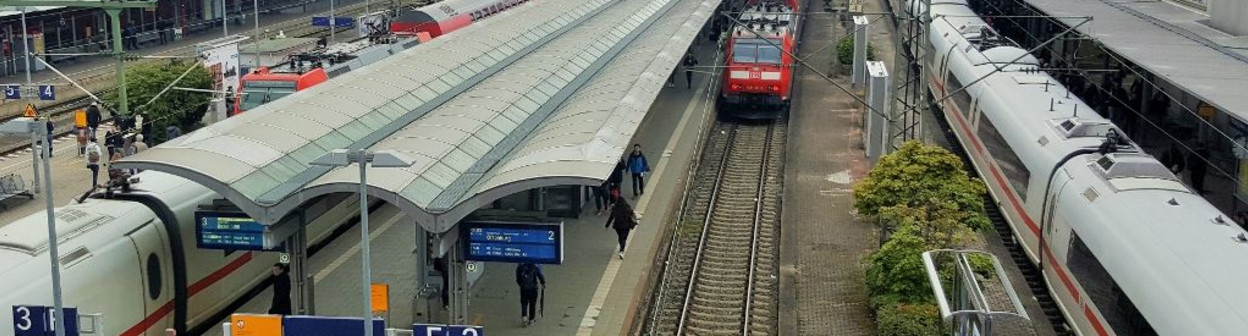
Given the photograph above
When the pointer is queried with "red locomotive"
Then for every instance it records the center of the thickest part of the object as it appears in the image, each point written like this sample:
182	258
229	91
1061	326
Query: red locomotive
758	71
437	19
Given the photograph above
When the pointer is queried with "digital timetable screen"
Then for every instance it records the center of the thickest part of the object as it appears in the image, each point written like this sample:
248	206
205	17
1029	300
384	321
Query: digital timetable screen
515	242
228	231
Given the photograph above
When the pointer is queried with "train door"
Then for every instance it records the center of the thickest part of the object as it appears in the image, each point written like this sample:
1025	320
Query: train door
1055	232
152	253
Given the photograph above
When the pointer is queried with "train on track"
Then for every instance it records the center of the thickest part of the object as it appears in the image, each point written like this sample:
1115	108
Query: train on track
758	70
1124	246
132	257
444	17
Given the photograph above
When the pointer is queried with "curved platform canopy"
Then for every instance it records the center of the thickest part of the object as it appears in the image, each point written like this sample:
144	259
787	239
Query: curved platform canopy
534	97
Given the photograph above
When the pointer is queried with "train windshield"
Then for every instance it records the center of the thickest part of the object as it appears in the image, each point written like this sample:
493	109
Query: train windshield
257	93
755	51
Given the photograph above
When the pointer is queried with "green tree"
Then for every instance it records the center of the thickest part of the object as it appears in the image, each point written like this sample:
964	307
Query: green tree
845	51
179	108
923	177
908	320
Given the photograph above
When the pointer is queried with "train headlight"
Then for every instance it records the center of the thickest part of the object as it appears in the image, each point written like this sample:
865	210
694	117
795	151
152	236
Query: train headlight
735	86
775	88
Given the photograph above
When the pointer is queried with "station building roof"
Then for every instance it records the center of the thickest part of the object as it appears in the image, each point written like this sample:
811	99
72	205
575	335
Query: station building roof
1171	42
534	97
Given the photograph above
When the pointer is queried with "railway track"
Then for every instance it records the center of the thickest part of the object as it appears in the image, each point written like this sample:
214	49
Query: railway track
99	79
721	273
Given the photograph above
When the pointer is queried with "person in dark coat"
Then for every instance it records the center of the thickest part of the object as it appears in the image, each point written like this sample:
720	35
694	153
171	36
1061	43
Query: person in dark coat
689	62
528	276
623	220
601	196
281	290
615	182
638	167
439	264
51	128
93	119
1198	167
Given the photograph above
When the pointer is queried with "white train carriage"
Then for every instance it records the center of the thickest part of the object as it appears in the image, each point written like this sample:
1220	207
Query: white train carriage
1125	248
134	260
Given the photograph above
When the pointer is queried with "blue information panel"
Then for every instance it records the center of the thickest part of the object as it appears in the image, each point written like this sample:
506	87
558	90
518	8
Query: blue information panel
515	242
340	22
228	231
47	92
13	92
38	321
328	326
446	330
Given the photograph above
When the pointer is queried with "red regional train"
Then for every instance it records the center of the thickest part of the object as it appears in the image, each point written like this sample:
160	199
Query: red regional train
441	18
758	72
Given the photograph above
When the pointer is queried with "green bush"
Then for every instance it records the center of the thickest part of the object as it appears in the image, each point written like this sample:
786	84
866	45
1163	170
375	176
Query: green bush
845	51
908	320
923	177
175	108
895	272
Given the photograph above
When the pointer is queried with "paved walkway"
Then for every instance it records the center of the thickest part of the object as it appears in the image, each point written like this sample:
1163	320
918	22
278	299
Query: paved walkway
591	293
822	241
70	177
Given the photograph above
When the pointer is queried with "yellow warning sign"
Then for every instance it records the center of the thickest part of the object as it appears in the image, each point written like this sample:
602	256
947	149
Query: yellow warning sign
30	111
256	325
381	297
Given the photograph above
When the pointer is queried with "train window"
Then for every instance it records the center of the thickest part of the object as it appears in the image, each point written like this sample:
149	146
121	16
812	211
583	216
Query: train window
768	54
961	98
1099	286
1014	170
153	276
744	53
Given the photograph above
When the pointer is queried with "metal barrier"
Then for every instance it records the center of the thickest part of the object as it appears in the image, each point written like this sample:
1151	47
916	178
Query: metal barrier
971	314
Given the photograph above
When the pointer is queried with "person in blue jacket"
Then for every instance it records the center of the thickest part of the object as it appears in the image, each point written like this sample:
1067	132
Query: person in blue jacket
638	167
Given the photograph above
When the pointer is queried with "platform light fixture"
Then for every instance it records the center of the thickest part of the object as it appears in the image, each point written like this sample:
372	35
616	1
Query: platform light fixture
379	159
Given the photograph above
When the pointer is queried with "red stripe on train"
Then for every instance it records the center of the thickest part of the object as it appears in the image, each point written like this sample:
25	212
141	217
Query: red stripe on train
199	286
1031	225
1100	330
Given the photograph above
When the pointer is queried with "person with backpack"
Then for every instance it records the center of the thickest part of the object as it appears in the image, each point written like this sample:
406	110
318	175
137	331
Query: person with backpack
638	166
93	118
93	161
623	220
528	276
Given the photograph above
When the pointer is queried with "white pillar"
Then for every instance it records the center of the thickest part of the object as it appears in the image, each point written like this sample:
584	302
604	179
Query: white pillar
877	128
860	50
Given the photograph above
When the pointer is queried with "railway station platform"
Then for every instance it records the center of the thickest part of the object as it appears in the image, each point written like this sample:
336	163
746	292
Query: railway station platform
70	177
592	293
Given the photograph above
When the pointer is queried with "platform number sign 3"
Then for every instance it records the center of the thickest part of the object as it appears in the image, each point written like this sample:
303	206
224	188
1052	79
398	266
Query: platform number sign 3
12	92
39	321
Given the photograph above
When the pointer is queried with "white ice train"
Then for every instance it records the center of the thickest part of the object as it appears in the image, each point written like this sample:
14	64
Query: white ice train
1124	246
133	258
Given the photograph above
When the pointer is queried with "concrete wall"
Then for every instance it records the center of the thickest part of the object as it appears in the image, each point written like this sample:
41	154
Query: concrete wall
1230	16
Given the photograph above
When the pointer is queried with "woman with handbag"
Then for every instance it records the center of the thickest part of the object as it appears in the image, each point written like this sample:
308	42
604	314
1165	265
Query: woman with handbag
623	220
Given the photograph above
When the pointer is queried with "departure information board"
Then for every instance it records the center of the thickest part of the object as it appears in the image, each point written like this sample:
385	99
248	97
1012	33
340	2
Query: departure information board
515	242
228	231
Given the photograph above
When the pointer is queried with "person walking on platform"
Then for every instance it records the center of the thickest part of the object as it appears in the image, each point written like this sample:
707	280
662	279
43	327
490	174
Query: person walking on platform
528	276
439	264
623	220
93	119
51	128
615	182
600	196
689	62
638	166
93	161
281	291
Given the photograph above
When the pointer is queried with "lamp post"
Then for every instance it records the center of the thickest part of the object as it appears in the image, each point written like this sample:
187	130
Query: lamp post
255	6
36	128
383	159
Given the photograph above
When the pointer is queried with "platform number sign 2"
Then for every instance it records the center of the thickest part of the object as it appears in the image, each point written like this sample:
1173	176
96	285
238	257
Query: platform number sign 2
39	321
446	330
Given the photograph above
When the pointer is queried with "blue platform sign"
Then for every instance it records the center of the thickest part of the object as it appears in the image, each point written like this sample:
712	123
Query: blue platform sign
13	92
47	92
328	326
514	242
228	231
38	321
446	330
340	22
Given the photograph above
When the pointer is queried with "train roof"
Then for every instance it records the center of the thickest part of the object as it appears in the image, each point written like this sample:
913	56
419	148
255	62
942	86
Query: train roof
1178	257
775	19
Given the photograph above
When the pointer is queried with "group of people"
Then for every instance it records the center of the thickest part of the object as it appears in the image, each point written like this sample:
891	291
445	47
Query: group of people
117	143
